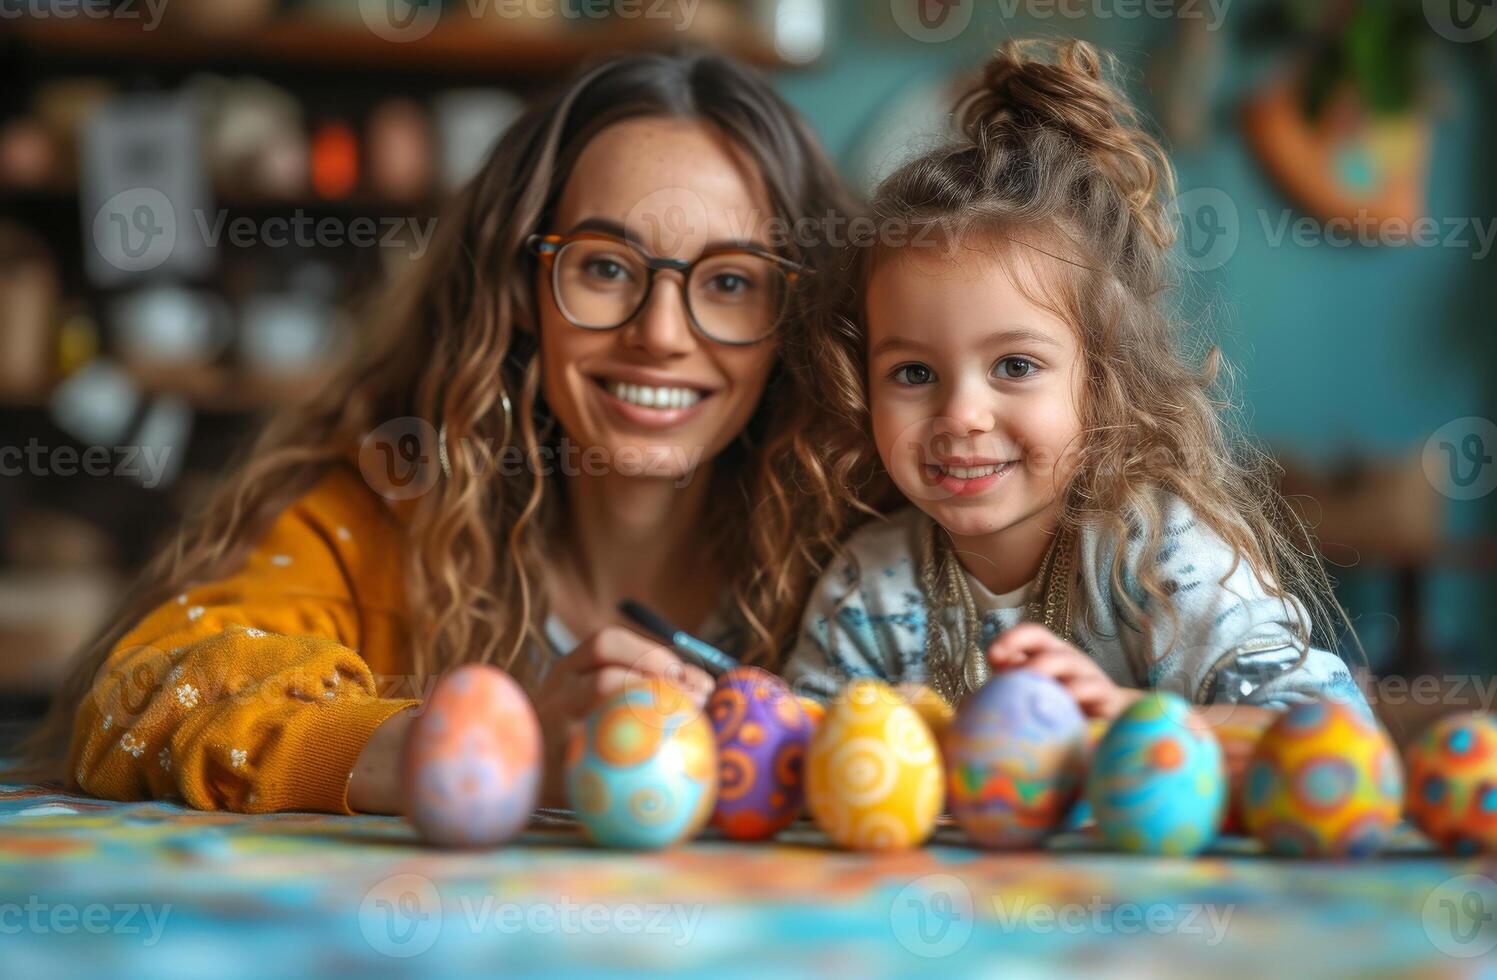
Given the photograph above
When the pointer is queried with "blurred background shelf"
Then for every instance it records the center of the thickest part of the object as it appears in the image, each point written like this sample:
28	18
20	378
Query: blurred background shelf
456	47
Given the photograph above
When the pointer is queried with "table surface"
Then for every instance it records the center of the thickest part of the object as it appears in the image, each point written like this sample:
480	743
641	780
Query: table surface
156	890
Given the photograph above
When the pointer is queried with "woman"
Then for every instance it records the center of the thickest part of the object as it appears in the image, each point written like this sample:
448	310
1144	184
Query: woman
604	338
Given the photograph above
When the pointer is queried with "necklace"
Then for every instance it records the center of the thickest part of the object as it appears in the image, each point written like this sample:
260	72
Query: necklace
957	667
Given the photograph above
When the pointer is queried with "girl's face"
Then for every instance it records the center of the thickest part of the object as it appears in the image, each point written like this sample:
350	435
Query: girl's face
974	391
654	397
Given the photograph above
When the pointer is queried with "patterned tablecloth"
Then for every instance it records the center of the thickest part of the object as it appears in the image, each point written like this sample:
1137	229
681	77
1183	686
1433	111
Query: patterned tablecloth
156	890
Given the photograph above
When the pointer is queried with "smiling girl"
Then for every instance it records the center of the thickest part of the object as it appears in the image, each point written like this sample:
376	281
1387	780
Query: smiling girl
1080	507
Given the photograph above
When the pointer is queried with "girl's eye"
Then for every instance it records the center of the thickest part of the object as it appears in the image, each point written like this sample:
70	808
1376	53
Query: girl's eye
912	374
1015	368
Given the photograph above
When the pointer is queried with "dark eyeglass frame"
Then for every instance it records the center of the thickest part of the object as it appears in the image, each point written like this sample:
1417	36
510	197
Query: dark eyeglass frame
547	247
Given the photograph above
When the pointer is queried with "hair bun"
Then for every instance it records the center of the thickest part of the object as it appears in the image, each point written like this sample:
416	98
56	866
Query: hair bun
1064	87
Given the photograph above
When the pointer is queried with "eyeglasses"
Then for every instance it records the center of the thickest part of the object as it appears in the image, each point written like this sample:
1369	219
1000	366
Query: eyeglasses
734	295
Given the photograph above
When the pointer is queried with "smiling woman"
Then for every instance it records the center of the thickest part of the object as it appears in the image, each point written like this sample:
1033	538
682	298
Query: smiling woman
605	283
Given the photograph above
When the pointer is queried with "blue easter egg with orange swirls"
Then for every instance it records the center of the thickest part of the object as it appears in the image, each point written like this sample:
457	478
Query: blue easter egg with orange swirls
1157	783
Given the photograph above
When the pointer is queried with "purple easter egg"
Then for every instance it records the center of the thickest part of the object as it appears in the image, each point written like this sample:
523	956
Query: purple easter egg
1015	756
762	736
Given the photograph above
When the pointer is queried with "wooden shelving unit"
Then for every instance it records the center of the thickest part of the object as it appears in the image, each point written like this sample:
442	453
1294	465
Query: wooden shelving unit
456	46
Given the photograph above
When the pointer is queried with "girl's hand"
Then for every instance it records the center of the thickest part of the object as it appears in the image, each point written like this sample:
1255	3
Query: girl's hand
1034	647
602	665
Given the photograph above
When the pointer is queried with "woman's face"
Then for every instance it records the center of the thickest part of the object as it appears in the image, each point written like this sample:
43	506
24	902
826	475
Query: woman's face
654	397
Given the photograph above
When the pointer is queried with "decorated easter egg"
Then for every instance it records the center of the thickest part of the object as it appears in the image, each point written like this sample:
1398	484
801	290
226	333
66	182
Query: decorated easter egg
642	770
930	706
1452	792
874	780
472	764
1156	784
1323	782
762	736
1014	758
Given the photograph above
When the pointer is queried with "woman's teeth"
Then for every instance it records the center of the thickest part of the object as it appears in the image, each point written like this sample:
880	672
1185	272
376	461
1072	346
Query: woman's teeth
648	397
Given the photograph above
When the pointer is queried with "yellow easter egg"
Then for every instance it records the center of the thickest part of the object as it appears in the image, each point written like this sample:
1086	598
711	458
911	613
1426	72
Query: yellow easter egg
1324	781
874	778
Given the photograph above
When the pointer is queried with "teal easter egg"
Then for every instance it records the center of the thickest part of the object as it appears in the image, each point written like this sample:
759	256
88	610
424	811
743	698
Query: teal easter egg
1157	784
642	770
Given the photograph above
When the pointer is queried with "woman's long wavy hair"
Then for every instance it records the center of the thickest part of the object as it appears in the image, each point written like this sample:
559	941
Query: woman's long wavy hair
1052	171
455	336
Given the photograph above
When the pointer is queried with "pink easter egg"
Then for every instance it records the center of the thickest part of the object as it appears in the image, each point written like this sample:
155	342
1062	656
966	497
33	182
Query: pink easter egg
472	767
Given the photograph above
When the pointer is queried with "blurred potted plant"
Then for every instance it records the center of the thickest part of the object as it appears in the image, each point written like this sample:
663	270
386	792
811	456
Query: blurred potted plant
1346	130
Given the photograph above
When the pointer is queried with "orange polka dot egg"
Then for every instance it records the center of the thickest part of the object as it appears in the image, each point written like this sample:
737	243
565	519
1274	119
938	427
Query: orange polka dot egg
1324	781
762	736
1452	793
642	770
1156	784
874	778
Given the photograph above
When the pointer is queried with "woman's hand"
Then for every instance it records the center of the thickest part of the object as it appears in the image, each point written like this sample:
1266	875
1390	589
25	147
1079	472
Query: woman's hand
602	665
1034	647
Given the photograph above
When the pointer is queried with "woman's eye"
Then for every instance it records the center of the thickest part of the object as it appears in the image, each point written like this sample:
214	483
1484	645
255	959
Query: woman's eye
912	374
607	269
730	283
1016	368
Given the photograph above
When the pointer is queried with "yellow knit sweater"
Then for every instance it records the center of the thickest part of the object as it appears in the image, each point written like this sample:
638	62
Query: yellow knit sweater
258	692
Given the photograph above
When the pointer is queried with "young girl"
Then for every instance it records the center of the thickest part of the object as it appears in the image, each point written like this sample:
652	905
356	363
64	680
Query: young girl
1079	508
609	282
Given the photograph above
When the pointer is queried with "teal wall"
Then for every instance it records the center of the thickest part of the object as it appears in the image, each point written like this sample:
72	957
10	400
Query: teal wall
1349	348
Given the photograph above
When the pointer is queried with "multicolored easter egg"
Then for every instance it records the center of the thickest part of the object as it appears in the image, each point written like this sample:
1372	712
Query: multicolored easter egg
874	780
642	770
1323	782
472	764
930	706
1015	756
1452	792
1156	783
762	736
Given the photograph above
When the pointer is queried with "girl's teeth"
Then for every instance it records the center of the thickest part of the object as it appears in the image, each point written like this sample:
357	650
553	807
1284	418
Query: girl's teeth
649	397
972	472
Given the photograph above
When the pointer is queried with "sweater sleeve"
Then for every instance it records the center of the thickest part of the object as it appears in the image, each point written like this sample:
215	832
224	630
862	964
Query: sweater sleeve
256	693
1231	641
